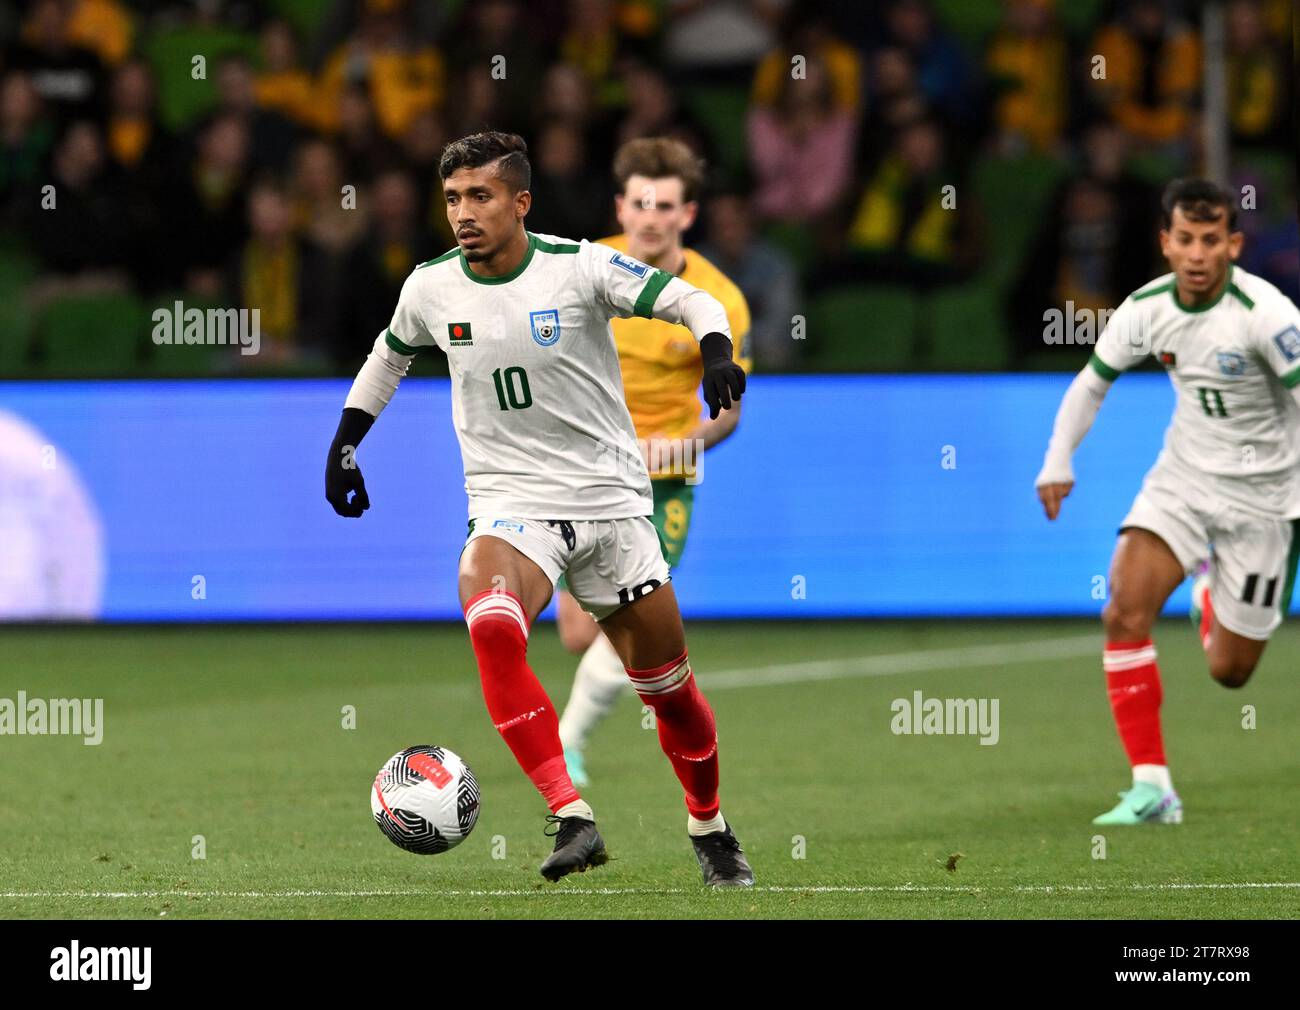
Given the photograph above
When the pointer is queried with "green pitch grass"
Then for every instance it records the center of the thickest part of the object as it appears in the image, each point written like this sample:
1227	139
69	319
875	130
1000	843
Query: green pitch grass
236	735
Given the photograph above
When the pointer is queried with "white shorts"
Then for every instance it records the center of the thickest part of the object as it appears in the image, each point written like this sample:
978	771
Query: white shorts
607	563
1253	554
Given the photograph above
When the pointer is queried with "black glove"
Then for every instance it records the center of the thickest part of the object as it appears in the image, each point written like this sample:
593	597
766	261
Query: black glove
342	475
724	380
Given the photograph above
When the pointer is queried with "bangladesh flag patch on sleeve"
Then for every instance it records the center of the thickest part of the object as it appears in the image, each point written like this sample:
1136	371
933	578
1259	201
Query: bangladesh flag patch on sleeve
459	334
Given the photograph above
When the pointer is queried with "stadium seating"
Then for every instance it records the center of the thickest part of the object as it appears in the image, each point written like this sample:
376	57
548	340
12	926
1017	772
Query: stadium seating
722	112
17	269
181	360
963	328
1012	193
974	22
182	100
796	241
862	328
306	16
97	335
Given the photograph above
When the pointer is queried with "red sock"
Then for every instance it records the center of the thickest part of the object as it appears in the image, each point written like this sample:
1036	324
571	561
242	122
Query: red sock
516	701
1133	683
687	732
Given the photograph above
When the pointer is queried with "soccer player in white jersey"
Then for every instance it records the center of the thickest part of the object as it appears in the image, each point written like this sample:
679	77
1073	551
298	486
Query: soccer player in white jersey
554	476
1225	489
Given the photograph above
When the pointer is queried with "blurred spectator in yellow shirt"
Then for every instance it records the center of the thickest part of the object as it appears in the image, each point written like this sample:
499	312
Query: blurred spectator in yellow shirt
1027	60
910	225
806	37
104	26
1152	71
403	77
591	43
1258	72
282	84
281	275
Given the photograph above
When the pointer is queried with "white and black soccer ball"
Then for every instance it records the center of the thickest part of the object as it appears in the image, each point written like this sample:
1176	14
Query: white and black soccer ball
425	799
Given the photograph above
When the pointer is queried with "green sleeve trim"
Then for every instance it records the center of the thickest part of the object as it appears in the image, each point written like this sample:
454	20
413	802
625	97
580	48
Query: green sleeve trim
400	347
1103	369
552	247
1292	378
645	303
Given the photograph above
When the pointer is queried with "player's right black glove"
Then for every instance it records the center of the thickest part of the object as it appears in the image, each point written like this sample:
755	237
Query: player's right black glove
724	380
342	475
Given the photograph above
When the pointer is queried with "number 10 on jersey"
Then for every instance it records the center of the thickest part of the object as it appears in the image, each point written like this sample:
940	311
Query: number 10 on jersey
512	388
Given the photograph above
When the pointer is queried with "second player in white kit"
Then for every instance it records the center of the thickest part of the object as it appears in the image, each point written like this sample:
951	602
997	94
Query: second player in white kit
1224	494
1227	473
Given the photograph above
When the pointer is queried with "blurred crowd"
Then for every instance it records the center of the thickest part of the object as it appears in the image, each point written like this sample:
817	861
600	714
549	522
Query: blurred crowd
282	155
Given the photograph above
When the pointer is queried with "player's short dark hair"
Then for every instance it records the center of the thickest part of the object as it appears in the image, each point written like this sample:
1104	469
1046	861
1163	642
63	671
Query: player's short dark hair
508	151
660	158
1200	200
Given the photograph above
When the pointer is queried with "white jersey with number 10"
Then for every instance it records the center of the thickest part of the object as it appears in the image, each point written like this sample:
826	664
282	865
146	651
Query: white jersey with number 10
537	396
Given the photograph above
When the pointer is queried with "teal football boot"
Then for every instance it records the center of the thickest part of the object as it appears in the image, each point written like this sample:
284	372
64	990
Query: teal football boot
1144	804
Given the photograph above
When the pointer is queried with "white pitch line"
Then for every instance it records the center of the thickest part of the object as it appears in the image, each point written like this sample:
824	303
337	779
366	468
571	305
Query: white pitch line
958	657
772	889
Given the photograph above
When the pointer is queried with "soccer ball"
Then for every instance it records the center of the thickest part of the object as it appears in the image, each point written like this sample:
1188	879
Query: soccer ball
425	799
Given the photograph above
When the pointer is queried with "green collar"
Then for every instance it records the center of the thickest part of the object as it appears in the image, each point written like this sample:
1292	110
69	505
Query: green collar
504	278
1227	286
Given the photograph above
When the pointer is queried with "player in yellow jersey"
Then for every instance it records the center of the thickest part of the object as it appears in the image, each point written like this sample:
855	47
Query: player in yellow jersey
659	180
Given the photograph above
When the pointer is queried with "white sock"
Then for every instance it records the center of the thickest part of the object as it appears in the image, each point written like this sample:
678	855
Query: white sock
1156	775
578	808
695	826
597	685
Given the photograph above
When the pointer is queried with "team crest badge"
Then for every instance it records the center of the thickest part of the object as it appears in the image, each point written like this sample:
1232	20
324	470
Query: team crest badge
1232	363
1288	342
546	326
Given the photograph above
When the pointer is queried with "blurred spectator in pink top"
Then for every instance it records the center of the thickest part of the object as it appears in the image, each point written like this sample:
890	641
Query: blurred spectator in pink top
801	150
